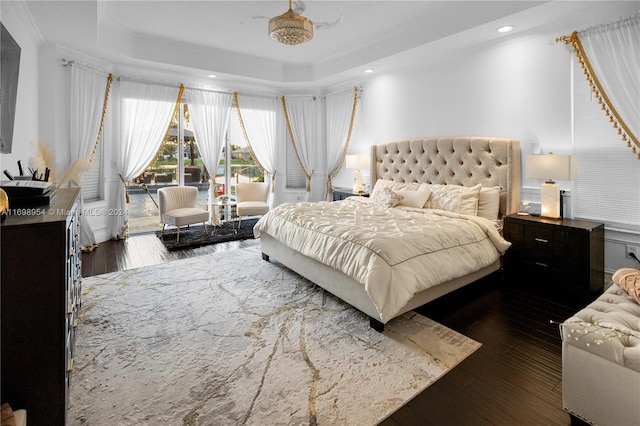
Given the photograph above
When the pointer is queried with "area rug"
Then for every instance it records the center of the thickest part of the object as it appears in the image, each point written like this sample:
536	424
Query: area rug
231	339
194	236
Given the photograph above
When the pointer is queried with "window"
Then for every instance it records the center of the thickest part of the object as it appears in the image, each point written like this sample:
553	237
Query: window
606	188
296	179
92	177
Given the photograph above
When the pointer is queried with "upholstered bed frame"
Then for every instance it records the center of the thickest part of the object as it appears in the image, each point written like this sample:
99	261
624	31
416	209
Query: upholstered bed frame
446	160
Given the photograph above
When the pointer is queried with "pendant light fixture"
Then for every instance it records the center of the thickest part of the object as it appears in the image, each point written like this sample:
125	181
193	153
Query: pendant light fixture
291	28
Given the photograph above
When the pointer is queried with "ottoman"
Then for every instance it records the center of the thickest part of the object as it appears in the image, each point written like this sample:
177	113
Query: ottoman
601	360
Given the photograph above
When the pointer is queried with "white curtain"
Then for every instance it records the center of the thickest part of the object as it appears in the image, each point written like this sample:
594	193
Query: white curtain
209	113
88	91
340	113
257	115
301	113
145	115
613	50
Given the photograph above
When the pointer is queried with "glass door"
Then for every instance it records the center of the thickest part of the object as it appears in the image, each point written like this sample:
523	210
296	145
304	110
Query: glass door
178	162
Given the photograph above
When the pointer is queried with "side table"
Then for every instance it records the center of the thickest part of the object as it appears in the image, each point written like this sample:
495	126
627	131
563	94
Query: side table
562	257
224	212
342	193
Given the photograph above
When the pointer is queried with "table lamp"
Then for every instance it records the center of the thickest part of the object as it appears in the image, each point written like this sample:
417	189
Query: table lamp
550	167
357	162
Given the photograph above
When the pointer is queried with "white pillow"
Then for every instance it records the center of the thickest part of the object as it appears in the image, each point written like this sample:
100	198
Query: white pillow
416	199
387	197
393	185
454	198
489	203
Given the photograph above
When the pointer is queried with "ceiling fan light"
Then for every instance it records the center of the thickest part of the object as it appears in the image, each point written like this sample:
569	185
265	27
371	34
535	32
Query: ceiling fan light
291	28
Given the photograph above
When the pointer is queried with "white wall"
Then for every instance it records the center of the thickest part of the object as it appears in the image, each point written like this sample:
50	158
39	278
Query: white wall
518	89
26	128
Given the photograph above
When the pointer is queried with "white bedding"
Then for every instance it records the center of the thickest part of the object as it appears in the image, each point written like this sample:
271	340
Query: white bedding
377	245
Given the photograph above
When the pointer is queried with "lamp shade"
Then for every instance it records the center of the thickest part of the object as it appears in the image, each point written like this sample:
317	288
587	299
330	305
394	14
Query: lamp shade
358	161
551	166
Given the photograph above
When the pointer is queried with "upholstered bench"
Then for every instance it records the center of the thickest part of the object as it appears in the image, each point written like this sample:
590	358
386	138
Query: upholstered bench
601	359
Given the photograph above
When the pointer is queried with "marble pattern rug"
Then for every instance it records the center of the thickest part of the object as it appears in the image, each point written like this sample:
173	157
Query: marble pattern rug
230	339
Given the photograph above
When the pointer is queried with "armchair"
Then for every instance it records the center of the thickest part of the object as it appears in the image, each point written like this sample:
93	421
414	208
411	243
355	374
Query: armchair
177	206
252	199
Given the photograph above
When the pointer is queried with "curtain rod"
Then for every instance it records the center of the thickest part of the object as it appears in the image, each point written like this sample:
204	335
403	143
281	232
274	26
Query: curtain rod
71	62
629	20
350	89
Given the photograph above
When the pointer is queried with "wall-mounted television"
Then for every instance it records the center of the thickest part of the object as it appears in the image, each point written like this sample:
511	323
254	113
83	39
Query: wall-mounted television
9	70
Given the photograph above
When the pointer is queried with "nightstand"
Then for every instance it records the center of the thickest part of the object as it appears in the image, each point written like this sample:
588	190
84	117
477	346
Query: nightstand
342	193
564	258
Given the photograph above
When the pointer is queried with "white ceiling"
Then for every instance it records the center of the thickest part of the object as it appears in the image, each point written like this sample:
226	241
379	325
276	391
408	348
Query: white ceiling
229	38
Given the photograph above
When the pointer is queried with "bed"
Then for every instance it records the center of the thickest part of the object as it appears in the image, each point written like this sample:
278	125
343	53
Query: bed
431	225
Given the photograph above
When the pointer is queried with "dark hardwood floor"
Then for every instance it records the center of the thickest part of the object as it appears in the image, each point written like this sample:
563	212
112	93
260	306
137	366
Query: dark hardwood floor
515	378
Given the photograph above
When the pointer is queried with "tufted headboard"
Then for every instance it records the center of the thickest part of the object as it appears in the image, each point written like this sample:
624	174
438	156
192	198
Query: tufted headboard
464	161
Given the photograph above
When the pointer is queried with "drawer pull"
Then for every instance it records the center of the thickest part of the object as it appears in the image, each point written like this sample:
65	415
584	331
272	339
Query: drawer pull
542	264
542	240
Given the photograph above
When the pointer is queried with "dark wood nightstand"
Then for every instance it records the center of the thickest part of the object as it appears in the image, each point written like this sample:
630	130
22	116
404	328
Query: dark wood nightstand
564	258
342	193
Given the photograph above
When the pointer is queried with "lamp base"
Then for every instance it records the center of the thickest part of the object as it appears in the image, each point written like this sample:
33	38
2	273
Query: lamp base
357	182
550	200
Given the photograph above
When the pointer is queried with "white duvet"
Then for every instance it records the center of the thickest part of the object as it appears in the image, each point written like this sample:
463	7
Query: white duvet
394	252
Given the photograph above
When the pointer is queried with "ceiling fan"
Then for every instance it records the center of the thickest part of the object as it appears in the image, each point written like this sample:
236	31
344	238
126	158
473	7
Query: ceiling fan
292	28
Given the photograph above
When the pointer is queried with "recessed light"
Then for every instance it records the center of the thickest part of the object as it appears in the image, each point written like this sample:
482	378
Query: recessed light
368	70
212	76
505	29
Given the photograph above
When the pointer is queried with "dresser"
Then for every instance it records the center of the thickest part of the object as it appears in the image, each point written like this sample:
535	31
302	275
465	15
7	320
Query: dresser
41	281
563	258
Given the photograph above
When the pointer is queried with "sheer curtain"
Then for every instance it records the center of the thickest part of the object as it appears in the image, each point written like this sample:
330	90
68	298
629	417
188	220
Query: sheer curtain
606	188
145	115
257	115
301	115
210	117
610	57
89	95
340	113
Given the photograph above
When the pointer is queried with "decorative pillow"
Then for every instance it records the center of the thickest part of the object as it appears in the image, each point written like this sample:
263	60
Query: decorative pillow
416	199
489	203
393	185
453	198
387	197
628	279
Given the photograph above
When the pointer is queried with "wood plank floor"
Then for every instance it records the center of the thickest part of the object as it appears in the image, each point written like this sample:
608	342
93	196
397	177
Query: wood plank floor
515	378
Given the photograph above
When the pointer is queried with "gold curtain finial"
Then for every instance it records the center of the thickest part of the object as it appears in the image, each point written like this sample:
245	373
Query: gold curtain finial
599	92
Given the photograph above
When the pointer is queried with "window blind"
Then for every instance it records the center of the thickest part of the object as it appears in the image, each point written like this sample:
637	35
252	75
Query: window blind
296	178
92	177
607	188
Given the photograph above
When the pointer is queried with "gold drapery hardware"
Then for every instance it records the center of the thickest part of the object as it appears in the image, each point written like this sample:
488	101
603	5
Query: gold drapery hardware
295	148
246	138
335	171
600	94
